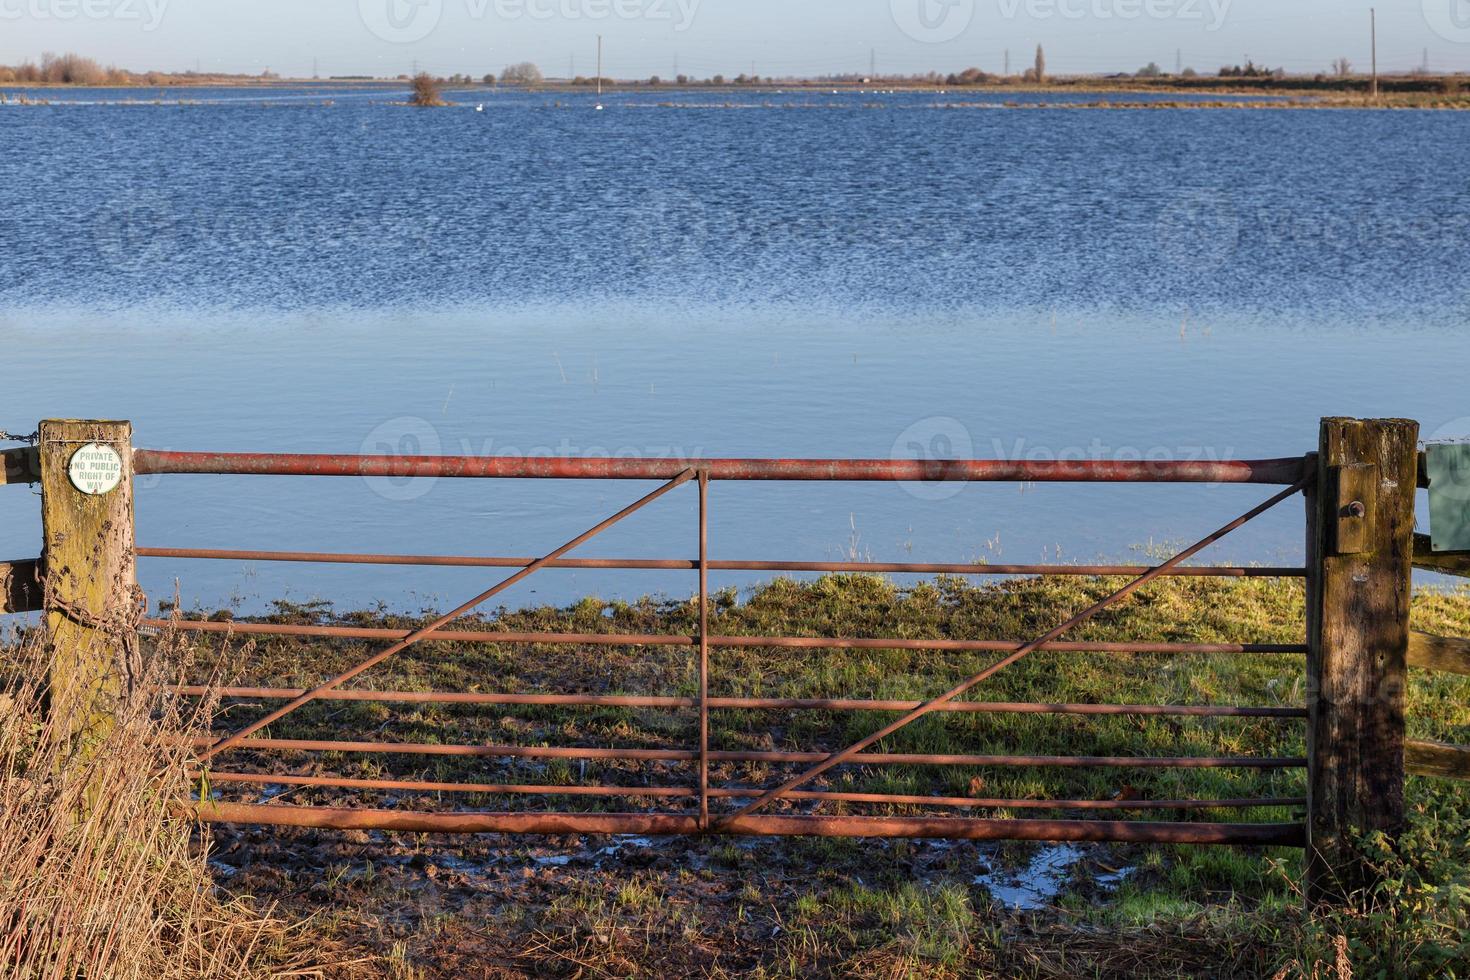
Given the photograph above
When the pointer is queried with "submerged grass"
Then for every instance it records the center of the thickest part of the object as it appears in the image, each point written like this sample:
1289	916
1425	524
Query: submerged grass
1191	610
824	906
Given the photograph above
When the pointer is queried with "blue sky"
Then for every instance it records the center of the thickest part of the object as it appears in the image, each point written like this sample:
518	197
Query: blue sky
774	37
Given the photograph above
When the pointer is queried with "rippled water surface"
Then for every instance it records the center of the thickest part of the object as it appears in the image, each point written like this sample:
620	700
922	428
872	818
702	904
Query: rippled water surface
316	269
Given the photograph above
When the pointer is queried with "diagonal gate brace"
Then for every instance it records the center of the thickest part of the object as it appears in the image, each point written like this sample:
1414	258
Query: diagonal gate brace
230	741
837	758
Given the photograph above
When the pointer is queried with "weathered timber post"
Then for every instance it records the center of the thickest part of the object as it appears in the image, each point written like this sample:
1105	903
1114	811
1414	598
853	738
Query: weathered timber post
90	591
1360	528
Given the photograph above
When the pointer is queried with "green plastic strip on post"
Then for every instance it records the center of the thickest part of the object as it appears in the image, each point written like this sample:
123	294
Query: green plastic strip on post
1448	464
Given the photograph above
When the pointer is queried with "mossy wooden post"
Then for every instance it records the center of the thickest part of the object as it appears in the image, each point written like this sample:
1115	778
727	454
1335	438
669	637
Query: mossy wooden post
1359	554
89	583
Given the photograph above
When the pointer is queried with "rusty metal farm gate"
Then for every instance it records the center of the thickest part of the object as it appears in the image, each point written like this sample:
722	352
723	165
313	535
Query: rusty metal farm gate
1358	488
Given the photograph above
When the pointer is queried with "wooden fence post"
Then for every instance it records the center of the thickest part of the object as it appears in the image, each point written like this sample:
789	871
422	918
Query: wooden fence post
90	589
1359	550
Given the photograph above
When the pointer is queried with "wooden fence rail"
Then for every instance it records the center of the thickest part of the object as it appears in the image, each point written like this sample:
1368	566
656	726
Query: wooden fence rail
1448	654
1448	562
1423	758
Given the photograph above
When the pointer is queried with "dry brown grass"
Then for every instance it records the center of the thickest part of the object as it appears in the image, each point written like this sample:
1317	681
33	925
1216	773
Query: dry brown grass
101	874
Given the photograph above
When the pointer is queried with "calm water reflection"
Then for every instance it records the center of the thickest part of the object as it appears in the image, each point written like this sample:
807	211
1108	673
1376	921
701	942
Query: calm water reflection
865	276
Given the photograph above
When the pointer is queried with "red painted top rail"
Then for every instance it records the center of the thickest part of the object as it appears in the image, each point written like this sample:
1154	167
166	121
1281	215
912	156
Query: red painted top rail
1271	471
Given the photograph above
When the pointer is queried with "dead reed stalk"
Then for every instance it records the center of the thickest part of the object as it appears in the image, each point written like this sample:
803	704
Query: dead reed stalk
102	873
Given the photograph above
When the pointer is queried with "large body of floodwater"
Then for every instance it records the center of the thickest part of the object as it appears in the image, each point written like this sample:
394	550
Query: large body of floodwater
710	274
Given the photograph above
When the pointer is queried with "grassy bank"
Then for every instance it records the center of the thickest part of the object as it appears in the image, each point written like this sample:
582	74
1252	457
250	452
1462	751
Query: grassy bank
102	873
784	907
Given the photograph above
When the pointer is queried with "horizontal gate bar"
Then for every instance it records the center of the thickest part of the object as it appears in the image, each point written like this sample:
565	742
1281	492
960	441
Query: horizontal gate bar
814	704
673	792
1274	471
682	755
689	564
659	824
411	638
670	639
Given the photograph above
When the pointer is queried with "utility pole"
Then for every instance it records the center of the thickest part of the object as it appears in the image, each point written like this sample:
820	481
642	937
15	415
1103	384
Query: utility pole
599	66
1373	29
1008	62
873	63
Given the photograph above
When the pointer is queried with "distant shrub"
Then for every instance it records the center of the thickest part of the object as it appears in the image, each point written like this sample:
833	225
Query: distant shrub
70	69
1150	70
1251	70
523	73
425	90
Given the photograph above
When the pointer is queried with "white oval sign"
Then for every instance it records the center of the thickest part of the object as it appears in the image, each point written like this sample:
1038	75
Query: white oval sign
95	468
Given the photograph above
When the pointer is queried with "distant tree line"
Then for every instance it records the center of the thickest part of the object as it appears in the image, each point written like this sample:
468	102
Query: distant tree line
62	69
1251	70
75	69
